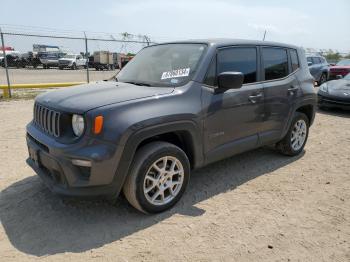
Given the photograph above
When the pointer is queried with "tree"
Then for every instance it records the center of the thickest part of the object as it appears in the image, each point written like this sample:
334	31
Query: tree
333	56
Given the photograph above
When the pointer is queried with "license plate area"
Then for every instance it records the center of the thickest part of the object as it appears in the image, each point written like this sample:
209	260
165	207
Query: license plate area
34	155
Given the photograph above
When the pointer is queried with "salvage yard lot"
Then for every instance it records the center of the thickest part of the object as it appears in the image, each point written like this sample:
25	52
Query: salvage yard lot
34	76
258	206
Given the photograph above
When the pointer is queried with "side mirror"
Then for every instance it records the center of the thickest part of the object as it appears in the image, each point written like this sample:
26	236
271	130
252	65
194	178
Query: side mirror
230	80
309	63
339	77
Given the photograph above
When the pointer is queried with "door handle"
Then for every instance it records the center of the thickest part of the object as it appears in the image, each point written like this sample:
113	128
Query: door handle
252	98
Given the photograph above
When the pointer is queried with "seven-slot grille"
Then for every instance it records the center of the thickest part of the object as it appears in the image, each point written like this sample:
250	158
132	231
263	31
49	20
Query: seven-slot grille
47	119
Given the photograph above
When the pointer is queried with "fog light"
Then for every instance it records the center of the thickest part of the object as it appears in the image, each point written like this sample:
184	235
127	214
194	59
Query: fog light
80	162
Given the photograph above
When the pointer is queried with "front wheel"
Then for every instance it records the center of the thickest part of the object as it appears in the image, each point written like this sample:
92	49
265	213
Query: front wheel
158	177
294	141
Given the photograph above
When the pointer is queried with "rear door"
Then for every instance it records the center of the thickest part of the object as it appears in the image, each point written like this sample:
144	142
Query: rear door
280	90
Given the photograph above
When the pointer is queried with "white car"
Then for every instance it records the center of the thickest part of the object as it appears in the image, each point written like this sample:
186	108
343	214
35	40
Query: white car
72	61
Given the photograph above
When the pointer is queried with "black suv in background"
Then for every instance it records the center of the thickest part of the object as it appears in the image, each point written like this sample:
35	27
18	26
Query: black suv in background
173	108
319	68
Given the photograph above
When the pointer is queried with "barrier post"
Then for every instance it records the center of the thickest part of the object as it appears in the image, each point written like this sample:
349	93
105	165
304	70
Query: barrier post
6	93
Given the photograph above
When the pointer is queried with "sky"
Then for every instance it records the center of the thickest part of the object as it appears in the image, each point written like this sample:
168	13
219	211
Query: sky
316	24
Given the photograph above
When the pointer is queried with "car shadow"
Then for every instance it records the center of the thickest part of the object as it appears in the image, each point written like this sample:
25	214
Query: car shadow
40	223
334	112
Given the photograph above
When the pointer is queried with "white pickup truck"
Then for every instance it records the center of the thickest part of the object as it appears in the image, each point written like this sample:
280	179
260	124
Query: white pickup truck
72	61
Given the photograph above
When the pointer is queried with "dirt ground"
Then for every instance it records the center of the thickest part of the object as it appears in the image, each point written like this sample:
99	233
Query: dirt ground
258	206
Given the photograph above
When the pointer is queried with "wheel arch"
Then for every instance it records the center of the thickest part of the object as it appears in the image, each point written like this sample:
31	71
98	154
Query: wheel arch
184	134
308	110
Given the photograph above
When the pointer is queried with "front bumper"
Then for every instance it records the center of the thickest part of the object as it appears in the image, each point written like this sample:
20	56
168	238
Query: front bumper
333	102
52	161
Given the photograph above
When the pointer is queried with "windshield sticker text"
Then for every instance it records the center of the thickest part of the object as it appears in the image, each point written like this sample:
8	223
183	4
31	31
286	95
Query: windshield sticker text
176	73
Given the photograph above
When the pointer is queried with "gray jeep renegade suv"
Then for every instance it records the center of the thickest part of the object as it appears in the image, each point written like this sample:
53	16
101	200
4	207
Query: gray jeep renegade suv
175	107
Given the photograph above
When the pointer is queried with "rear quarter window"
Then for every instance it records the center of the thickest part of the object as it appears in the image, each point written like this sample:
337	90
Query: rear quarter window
294	59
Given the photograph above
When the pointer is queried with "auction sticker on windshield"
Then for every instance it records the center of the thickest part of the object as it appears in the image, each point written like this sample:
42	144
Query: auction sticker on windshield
176	73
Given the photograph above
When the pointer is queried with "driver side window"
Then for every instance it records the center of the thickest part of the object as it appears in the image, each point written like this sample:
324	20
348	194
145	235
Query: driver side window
233	59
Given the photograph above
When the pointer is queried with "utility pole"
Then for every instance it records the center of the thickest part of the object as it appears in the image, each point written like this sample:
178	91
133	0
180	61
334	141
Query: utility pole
87	59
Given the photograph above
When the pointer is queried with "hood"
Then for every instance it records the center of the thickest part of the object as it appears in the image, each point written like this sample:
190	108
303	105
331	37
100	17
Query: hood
339	87
85	97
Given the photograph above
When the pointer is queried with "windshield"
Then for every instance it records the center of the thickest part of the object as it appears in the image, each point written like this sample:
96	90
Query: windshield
69	56
163	65
345	62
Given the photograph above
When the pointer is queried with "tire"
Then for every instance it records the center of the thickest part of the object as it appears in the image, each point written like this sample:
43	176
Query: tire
60	68
323	79
44	67
285	146
142	169
74	66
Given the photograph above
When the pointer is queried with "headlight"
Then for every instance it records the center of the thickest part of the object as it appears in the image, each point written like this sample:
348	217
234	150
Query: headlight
324	87
78	125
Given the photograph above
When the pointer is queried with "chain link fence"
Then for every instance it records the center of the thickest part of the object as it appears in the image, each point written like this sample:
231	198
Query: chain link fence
41	57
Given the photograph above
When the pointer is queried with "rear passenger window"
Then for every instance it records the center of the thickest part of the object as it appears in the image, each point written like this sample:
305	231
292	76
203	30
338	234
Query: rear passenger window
294	59
239	59
275	63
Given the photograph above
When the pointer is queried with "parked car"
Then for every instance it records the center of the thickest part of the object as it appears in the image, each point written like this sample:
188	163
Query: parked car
335	94
319	68
175	107
72	61
13	60
31	59
50	59
342	68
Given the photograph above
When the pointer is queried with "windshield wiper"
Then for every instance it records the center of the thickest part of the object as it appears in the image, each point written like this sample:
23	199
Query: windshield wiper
137	83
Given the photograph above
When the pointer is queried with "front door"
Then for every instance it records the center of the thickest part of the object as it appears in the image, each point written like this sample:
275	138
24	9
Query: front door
232	119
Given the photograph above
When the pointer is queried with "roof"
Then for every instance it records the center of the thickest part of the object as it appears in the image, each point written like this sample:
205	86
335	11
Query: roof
219	42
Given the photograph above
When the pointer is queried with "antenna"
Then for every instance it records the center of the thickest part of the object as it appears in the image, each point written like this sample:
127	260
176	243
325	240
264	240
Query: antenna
264	35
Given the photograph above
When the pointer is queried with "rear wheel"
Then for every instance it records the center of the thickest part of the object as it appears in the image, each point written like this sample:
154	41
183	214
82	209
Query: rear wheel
294	141
158	177
74	66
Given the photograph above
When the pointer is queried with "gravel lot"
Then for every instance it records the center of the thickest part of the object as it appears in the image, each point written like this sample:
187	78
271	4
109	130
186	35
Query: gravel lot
258	206
31	75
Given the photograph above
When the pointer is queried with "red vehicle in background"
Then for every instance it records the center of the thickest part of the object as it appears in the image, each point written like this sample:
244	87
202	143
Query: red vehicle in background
342	68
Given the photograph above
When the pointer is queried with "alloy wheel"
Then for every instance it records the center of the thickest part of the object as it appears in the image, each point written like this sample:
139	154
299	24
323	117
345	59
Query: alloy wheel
163	180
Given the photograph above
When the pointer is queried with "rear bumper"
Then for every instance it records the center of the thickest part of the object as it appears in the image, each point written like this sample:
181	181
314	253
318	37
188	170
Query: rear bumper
53	163
331	102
